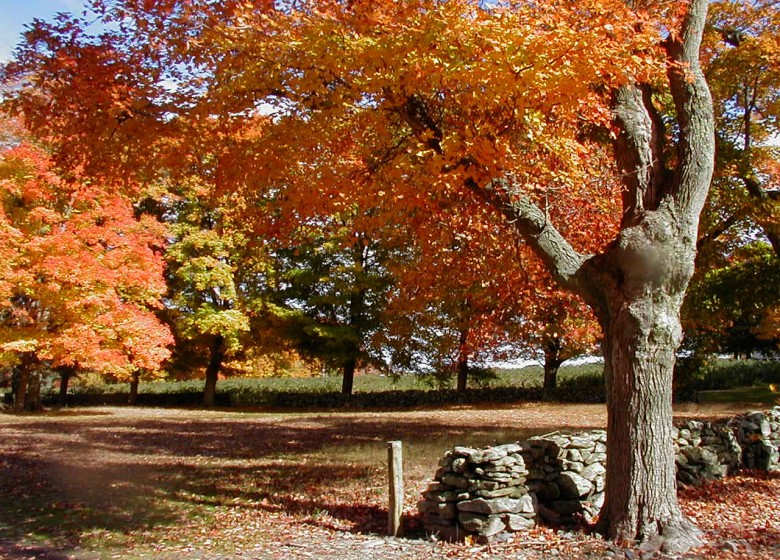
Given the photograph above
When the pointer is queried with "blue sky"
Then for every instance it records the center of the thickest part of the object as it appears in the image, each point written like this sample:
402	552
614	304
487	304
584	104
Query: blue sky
15	13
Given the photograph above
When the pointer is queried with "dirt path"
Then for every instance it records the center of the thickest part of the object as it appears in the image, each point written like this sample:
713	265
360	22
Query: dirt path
167	483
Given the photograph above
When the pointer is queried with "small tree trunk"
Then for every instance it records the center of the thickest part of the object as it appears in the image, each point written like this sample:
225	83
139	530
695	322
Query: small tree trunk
22	380
134	381
212	371
463	362
27	388
65	374
348	375
32	400
552	362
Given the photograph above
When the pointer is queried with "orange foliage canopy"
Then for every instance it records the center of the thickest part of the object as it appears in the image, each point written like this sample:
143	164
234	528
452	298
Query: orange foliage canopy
310	109
81	275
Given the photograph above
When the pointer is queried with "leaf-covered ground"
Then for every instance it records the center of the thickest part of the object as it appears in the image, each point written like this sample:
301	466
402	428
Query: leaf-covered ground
160	483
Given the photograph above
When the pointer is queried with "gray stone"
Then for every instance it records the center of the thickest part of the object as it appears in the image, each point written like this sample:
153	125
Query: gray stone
581	442
510	448
456	481
508	492
483	525
528	504
491	506
573	485
597	501
519	523
492	454
484	485
459	465
448	510
463	451
472	522
447	496
593	471
441	471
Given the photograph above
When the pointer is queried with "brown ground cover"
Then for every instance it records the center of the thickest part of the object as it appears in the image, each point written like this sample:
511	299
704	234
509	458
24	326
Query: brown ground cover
164	483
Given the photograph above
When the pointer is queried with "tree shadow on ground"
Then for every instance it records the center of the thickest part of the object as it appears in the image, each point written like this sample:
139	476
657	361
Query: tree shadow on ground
69	477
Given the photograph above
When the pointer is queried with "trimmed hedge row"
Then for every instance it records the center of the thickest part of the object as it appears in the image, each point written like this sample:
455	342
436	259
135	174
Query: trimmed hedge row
257	397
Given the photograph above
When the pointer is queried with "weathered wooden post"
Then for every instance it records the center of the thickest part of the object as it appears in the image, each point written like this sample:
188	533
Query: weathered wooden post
396	475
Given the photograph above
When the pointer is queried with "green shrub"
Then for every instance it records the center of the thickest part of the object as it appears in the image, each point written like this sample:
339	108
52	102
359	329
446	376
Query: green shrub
695	373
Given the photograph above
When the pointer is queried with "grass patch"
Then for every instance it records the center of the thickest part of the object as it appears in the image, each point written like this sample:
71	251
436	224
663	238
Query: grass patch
580	383
762	395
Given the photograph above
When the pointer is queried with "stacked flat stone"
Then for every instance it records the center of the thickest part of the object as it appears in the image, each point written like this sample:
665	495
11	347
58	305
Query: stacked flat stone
705	451
480	492
494	491
566	473
759	435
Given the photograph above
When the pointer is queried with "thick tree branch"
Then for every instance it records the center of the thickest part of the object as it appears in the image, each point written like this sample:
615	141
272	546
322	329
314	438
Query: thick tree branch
534	226
696	149
639	150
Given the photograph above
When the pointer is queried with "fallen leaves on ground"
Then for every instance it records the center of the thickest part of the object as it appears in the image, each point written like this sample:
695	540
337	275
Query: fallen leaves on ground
171	484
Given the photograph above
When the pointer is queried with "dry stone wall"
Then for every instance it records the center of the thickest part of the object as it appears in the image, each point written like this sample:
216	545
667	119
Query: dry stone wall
705	451
566	474
479	491
559	478
759	435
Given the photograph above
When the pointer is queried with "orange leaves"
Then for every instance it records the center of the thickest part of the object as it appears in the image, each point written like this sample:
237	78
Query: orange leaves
80	273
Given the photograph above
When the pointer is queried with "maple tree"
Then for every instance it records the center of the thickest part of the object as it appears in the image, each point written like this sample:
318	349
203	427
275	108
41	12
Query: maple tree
741	61
415	105
82	278
210	272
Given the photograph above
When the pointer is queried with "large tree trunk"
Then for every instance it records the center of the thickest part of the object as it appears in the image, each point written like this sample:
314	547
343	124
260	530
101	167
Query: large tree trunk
638	306
212	371
348	375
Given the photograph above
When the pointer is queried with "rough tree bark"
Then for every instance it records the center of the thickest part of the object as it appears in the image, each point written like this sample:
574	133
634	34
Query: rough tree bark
212	370
636	286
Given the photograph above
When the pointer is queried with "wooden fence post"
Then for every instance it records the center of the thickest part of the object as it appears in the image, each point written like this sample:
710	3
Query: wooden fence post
396	475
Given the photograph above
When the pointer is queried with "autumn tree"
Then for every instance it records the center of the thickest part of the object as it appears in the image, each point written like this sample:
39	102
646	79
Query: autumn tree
82	281
210	284
414	105
742	65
